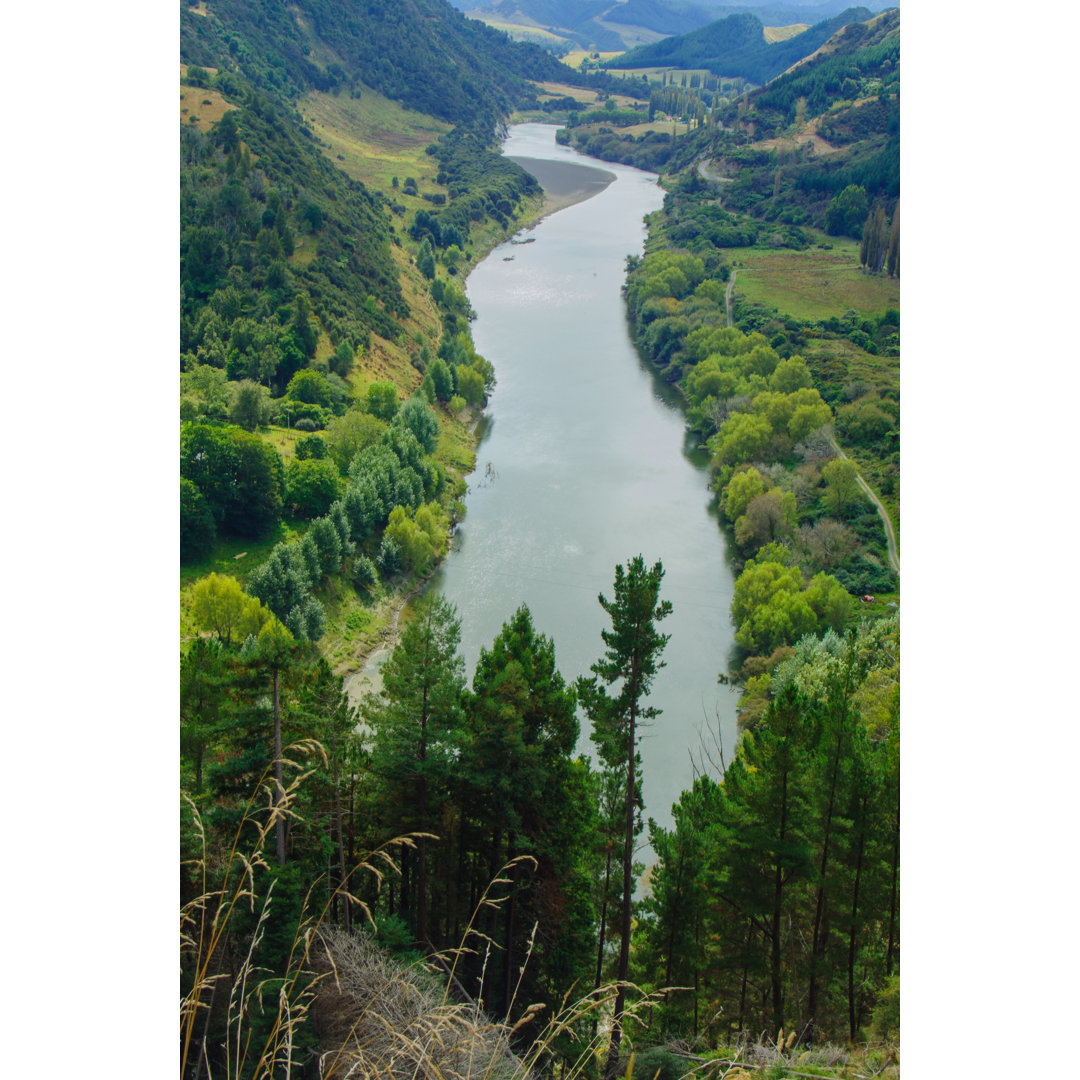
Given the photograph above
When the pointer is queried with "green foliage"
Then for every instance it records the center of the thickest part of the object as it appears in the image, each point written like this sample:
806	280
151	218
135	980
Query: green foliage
365	574
239	475
197	529
311	388
421	421
382	400
735	46
769	608
846	212
311	446
311	486
220	605
250	407
348	434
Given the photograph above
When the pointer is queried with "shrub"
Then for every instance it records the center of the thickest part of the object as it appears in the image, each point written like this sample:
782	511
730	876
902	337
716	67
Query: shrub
364	572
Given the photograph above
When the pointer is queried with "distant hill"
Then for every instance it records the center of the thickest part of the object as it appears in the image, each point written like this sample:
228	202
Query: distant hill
736	47
615	25
423	53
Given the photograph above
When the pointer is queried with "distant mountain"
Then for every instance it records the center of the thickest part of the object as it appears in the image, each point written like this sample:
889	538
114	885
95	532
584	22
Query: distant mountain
616	25
735	47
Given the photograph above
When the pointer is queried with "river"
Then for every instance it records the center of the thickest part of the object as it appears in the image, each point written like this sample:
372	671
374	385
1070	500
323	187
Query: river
584	462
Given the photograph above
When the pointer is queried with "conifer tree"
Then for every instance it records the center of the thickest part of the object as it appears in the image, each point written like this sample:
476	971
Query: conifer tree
632	659
415	720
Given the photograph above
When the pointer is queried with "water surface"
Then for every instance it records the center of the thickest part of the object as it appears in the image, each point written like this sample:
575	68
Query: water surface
585	463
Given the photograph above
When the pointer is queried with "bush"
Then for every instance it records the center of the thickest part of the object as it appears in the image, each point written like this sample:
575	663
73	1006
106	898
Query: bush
304	424
390	558
311	446
364	572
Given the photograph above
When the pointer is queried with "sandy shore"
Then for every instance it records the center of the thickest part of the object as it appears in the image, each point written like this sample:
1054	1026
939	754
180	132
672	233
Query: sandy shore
565	182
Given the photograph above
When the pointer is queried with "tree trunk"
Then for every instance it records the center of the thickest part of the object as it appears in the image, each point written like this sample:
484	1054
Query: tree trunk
851	934
279	786
774	929
627	899
603	923
893	897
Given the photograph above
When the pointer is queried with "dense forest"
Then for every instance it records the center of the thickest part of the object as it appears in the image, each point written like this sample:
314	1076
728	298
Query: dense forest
438	881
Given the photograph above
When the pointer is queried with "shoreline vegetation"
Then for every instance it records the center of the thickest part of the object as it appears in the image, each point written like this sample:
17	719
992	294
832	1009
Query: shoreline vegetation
564	184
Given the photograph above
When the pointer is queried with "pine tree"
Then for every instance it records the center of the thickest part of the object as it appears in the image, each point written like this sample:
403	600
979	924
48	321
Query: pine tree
632	658
415	721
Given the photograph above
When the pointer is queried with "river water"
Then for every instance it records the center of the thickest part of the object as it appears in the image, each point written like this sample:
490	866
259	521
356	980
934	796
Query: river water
585	463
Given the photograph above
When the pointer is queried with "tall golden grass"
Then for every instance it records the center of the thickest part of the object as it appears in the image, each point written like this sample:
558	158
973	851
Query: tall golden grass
372	1015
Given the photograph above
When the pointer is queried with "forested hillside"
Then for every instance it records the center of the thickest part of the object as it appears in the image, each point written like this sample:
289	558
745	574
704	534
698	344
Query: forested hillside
736	46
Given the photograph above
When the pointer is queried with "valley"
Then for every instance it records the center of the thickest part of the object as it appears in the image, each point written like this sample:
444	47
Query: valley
561	400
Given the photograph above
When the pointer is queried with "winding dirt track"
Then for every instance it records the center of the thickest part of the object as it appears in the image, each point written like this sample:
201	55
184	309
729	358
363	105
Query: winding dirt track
890	534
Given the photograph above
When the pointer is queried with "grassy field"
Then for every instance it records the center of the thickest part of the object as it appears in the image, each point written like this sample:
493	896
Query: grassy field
374	139
519	32
783	33
575	57
813	284
200	107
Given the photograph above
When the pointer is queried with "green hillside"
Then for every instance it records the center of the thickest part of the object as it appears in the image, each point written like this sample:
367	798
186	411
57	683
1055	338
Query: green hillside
736	46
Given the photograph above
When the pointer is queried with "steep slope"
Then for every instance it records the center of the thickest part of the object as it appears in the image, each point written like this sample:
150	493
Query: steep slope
423	53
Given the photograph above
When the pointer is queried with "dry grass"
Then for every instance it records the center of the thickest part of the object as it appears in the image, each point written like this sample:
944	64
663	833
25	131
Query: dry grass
784	33
575	57
374	139
373	1016
578	93
202	108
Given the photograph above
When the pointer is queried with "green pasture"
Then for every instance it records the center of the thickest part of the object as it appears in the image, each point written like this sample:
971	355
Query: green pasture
374	139
813	284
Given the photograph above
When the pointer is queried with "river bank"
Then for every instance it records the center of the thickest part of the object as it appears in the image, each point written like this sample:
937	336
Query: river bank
565	184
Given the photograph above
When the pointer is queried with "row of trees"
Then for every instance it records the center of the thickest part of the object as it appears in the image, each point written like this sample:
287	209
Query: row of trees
774	900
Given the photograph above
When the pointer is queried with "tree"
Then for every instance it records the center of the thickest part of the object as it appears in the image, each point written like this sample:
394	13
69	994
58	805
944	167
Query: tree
239	475
874	246
442	378
311	486
197	529
220	605
632	658
768	606
310	387
768	517
892	263
847	212
841	478
470	384
744	486
421	421
742	437
413	721
350	433
382	400
425	259
250	407
311	446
